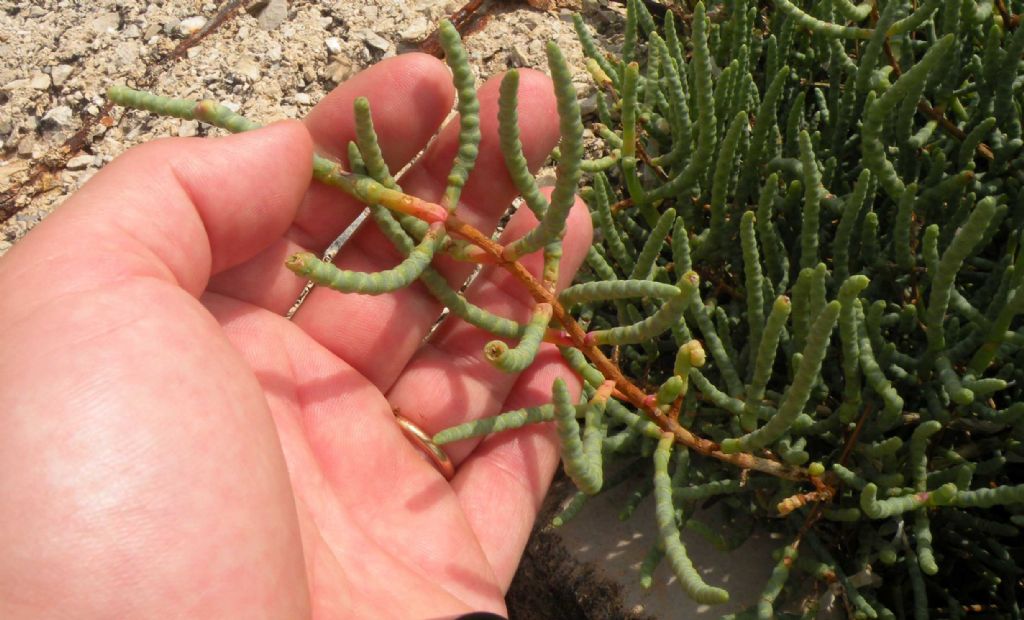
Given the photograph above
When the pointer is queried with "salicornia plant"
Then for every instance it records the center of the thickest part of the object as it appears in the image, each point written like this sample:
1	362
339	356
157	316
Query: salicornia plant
806	295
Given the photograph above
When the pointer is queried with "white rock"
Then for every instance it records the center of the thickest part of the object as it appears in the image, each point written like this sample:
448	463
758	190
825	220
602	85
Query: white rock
517	57
333	45
376	41
274	53
340	70
16	84
243	33
60	74
105	22
273	15
588	105
126	53
191	25
302	98
97	131
415	31
60	116
187	129
79	161
25	145
247	68
39	81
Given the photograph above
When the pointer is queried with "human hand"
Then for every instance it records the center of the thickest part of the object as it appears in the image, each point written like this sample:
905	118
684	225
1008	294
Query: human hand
174	447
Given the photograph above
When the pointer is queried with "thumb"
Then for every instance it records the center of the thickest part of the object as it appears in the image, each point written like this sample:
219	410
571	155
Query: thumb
179	209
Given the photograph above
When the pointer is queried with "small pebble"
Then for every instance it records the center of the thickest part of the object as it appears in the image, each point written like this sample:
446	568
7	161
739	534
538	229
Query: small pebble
79	161
191	25
16	84
333	45
302	98
273	14
588	105
517	57
127	53
376	41
187	129
25	146
247	68
340	70
105	22
57	117
39	81
415	31
60	74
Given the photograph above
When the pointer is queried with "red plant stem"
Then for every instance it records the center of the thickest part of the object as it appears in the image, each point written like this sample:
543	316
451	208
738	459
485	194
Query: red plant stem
636	396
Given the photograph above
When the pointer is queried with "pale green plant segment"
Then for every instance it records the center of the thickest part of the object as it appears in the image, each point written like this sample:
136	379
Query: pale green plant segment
582	457
689	578
804	309
309	266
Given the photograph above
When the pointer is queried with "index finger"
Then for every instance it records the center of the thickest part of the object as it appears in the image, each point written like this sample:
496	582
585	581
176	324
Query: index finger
410	96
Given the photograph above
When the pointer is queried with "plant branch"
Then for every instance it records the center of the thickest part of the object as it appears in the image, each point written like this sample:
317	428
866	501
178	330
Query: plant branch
369	191
629	390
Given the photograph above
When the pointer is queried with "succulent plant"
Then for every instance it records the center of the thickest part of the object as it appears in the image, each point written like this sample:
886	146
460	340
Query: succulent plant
804	305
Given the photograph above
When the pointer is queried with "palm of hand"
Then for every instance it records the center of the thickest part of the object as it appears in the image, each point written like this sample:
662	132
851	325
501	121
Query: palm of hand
195	452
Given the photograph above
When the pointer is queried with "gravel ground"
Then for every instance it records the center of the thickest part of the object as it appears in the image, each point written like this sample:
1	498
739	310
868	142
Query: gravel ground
57	57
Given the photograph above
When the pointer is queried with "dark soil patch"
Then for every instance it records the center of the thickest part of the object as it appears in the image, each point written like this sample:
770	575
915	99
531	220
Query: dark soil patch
552	585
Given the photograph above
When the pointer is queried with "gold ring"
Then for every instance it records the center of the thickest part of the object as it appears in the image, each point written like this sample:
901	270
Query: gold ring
427	446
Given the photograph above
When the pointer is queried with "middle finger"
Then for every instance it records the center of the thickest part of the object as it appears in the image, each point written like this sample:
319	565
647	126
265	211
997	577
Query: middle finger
379	334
